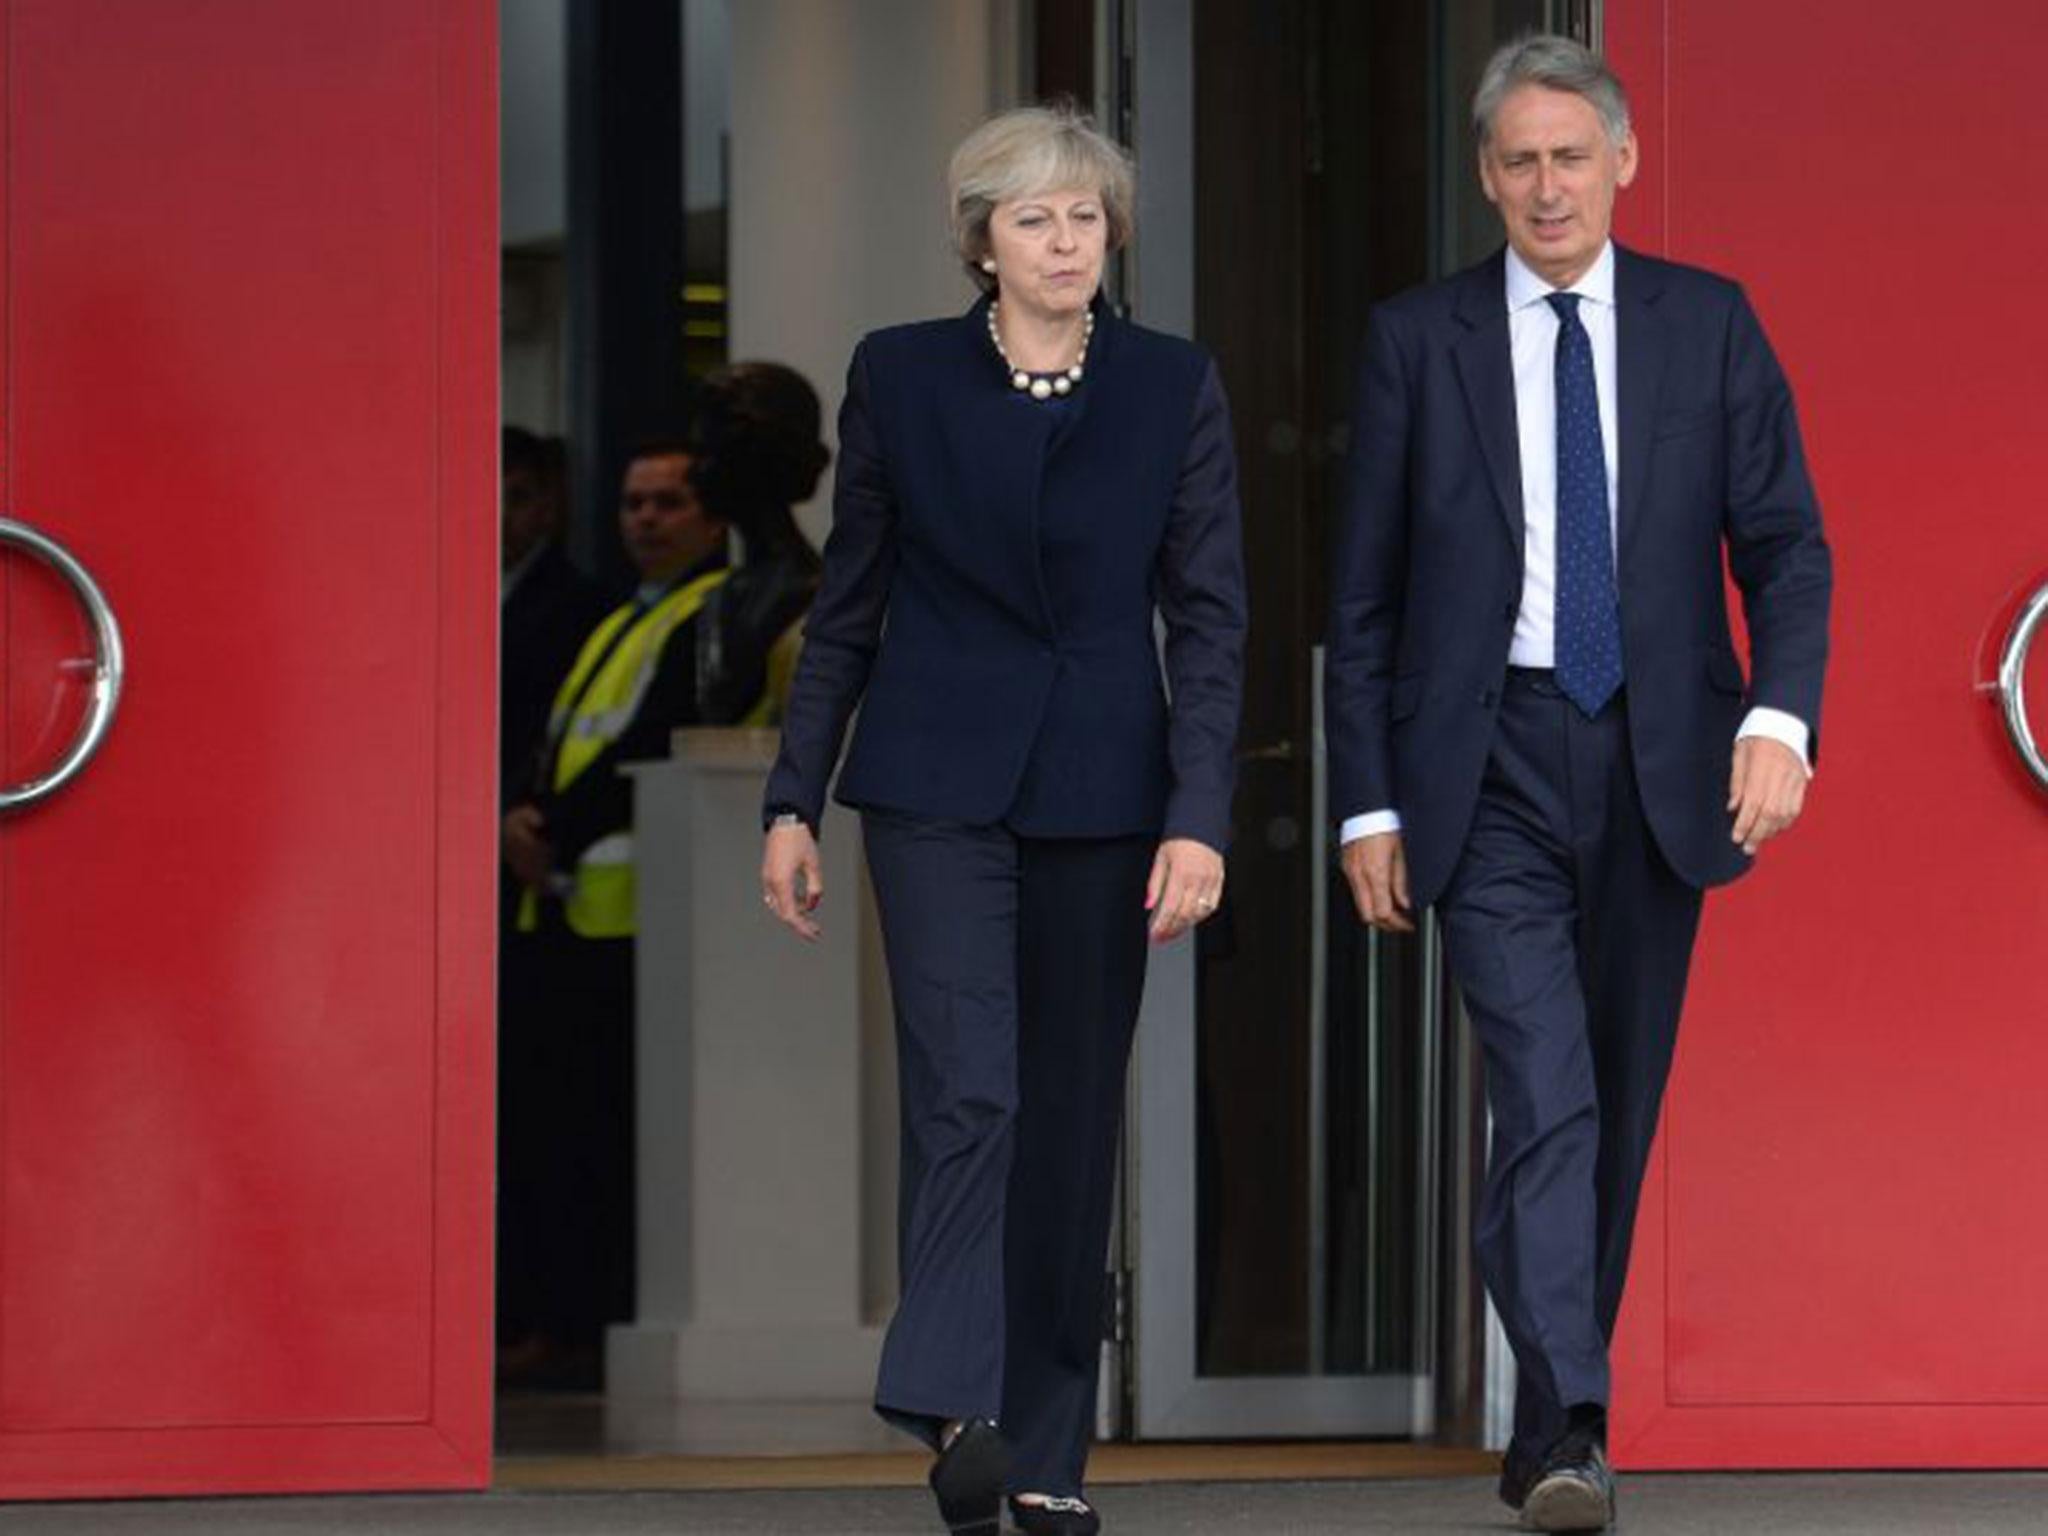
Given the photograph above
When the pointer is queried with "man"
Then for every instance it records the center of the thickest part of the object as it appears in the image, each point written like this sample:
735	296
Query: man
545	606
1537	720
566	1251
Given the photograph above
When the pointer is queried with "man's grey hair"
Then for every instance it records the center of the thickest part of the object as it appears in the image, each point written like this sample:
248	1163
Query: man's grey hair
1557	64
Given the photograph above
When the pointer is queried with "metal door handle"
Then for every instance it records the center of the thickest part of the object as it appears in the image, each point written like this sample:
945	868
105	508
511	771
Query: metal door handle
107	665
2012	684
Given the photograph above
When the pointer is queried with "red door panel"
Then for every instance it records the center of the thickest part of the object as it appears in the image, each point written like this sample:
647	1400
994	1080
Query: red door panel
1844	1253
244	997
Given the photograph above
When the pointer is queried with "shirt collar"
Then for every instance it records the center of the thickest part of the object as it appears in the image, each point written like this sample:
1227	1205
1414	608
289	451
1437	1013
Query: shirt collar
510	578
1526	288
648	593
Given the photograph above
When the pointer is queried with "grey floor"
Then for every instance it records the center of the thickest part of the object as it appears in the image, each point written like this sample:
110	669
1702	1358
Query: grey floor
1932	1504
590	1424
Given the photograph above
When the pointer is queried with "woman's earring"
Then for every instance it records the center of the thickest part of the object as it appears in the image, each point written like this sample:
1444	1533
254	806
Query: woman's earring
988	265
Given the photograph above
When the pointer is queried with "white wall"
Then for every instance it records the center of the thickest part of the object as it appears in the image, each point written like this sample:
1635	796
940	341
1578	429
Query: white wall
843	118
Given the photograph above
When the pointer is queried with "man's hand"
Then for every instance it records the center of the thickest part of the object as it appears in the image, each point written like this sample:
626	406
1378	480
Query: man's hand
1766	790
1186	884
792	877
524	841
1376	868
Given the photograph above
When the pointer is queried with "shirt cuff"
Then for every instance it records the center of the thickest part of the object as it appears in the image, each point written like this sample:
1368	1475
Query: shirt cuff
1371	824
1778	726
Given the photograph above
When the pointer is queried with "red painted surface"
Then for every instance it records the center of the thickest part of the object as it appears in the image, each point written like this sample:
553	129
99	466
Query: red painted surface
1844	1251
245	1051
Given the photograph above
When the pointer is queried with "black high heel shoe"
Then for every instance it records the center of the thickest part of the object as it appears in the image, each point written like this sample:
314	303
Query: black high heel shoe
968	1477
1056	1517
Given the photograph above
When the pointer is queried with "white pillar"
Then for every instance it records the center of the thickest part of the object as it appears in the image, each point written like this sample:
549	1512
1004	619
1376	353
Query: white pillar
751	1279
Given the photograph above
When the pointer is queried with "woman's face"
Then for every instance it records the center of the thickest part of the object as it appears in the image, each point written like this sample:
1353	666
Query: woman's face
1048	250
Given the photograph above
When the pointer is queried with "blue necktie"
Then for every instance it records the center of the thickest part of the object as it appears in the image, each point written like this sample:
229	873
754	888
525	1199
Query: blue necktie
1588	618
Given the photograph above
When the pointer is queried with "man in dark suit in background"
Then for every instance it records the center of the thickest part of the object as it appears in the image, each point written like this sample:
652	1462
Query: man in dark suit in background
1537	719
546	606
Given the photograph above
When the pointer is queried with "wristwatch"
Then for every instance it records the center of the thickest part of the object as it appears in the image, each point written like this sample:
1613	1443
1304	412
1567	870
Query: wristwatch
784	818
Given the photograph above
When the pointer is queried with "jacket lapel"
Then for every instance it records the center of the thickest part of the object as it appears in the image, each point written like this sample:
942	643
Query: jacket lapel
1640	352
1486	371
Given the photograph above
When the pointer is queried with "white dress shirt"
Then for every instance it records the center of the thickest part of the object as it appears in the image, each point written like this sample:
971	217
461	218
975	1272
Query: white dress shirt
1532	343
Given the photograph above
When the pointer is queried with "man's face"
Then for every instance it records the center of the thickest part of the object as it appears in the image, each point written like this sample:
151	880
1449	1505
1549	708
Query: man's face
529	514
660	519
1552	171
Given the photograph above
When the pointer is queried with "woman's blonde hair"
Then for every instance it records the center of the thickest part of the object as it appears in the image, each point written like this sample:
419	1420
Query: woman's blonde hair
1024	153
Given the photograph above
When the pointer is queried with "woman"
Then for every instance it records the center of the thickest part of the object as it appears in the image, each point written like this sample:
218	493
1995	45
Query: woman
1020	491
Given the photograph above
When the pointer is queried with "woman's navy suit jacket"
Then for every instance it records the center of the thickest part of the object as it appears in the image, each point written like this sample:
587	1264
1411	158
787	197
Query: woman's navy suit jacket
990	586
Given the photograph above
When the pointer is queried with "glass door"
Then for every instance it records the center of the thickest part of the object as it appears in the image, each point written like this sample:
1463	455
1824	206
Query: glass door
1306	1127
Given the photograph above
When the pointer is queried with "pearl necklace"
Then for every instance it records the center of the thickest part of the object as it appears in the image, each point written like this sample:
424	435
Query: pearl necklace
1042	387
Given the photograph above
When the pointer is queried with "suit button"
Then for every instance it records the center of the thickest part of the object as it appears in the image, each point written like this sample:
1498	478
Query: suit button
1486	698
1510	612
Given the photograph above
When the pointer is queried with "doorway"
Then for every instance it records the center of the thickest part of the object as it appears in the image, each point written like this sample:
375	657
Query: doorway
1308	1132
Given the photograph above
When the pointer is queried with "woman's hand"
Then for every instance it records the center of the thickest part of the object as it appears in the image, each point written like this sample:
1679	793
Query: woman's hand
1186	884
792	879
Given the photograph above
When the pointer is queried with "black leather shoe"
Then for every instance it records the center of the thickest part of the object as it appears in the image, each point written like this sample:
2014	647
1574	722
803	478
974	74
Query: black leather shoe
968	1479
1575	1490
1056	1517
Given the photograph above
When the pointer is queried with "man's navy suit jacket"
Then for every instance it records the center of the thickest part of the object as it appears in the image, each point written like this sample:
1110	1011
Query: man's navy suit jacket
990	585
1428	572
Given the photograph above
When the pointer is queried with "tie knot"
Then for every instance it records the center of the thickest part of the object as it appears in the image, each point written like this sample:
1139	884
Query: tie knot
1566	305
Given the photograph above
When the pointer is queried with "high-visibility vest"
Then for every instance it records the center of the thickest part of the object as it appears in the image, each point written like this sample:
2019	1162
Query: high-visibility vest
593	707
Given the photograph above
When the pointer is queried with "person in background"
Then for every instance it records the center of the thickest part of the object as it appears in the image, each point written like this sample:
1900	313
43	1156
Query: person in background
1021	492
756	452
545	605
569	841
